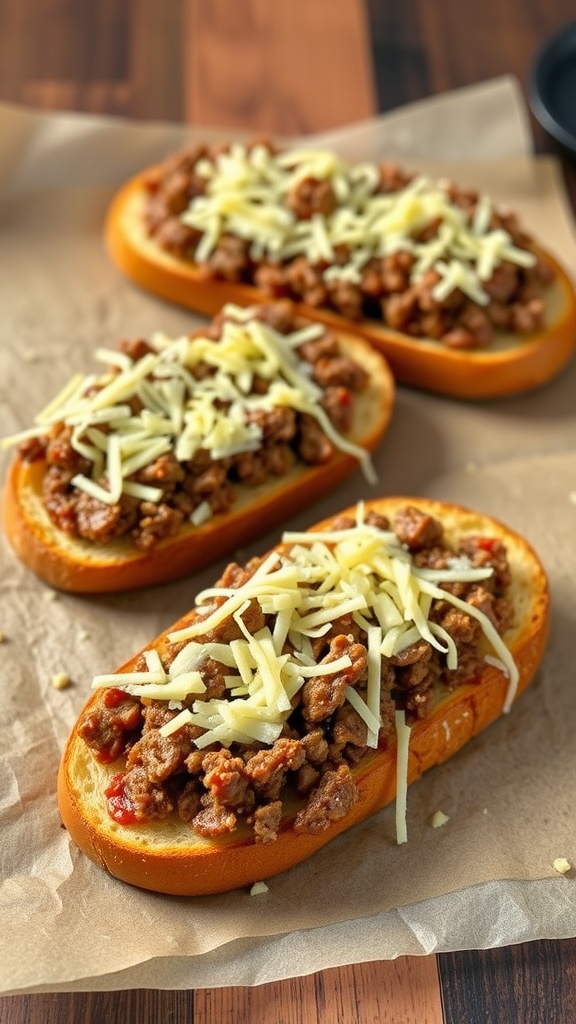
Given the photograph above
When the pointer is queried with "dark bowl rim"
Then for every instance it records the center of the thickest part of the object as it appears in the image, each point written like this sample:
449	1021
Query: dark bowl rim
555	50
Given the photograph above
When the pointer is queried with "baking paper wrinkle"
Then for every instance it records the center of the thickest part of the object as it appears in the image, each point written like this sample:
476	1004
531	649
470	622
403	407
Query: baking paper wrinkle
466	885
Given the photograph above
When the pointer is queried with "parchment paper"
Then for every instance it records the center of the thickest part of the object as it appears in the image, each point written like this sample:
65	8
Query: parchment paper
486	878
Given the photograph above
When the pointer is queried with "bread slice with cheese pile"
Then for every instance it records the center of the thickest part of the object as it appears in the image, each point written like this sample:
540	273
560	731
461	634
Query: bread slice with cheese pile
304	223
351	572
194	399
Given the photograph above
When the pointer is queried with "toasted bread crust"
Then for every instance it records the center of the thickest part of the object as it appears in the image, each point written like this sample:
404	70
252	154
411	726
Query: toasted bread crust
168	857
79	566
512	365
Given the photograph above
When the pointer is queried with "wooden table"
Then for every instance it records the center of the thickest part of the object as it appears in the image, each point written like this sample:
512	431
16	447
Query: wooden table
292	68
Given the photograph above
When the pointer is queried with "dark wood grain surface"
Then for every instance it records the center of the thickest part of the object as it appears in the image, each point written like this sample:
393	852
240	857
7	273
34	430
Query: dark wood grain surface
293	68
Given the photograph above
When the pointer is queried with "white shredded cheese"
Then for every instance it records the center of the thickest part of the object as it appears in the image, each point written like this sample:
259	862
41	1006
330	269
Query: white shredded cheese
181	412
246	195
402	754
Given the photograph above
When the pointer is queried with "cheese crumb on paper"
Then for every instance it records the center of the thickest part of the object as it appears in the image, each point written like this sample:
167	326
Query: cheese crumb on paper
61	680
258	888
562	866
438	819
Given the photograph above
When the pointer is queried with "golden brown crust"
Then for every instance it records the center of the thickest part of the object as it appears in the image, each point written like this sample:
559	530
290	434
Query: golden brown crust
509	367
79	566
170	858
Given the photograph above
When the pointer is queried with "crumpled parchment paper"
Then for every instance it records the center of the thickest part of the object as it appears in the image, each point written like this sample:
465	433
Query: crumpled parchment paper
486	878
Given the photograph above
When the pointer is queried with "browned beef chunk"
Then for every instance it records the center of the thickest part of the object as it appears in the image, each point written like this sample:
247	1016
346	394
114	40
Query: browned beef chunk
306	282
188	800
225	778
156	713
157	522
59	499
349	727
306	778
321	695
101	523
210	484
313	445
333	799
419	651
278	315
267	768
346	297
278	458
338	404
503	283
342	626
229	260
324	347
214	820
212	673
151	800
416	529
488	552
316	746
164	472
309	196
160	756
276	424
107	729
60	453
32	449
136	348
267	821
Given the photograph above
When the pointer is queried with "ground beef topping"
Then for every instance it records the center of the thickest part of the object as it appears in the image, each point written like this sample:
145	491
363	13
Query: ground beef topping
295	668
368	241
174	426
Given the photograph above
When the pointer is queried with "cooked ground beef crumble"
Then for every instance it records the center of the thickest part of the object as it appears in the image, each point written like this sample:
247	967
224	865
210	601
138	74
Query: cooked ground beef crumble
324	737
384	291
288	437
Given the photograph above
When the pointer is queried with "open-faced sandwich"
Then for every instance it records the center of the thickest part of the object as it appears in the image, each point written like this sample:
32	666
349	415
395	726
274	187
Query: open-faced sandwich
447	284
182	449
302	693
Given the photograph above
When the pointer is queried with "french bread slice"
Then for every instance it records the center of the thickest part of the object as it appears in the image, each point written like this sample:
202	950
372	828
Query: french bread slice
78	565
511	365
167	856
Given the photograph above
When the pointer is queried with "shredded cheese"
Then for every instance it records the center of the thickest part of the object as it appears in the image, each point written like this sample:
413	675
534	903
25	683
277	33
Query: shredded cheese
247	194
317	577
402	756
182	412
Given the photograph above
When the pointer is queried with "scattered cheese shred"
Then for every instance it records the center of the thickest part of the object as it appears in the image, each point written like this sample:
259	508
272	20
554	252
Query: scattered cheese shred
402	753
